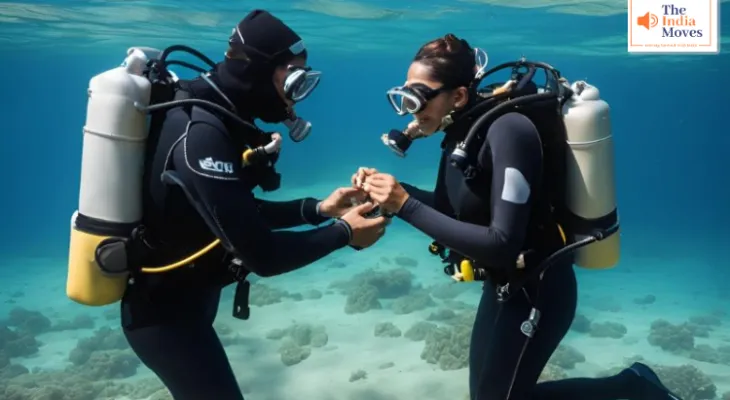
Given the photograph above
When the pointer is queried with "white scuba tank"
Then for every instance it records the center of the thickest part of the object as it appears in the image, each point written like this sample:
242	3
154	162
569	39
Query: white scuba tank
112	167
591	187
114	143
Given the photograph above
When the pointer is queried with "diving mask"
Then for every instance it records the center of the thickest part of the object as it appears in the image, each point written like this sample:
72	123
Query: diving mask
300	82
411	99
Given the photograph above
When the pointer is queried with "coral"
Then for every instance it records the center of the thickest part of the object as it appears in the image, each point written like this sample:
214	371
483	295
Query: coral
443	314
687	382
448	346
458	305
606	304
386	365
226	335
465	318
111	314
276	334
362	299
387	329
79	322
30	322
115	364
552	373
15	343
407	262
412	302
264	295
74	383
292	354
104	339
566	357
612	330
365	289
581	324
309	335
706	320
669	337
358	375
645	300
390	284
709	354
299	341
700	331
419	331
447	290
302	334
313	294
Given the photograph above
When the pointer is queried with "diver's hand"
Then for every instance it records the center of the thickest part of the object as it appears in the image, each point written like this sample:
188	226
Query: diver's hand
341	201
358	178
385	190
365	231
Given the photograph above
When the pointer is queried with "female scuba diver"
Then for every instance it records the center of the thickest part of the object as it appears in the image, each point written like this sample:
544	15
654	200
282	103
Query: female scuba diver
197	189
490	218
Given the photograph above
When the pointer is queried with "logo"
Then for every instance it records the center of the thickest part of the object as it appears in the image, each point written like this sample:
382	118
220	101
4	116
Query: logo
210	165
686	26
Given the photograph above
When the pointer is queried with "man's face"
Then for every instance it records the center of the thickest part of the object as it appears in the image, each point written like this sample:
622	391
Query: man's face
279	78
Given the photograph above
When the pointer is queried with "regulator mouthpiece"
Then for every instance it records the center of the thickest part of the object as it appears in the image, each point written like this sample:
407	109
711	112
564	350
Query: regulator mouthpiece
397	141
299	129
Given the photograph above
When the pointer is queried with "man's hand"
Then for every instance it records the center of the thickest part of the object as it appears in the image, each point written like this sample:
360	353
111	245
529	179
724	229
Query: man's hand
385	190
365	231
341	201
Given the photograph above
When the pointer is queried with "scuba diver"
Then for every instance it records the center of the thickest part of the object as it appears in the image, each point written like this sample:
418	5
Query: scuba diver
200	221
493	219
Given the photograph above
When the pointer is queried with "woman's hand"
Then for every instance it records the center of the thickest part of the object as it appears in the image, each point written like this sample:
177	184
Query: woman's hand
358	178
385	190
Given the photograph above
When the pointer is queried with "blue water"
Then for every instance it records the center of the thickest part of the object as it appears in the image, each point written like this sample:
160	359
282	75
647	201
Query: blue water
671	140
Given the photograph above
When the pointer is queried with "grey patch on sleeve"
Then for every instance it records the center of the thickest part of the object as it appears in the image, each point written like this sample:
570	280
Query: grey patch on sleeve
516	189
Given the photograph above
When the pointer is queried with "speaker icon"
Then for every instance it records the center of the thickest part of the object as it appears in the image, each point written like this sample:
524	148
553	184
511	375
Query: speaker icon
647	20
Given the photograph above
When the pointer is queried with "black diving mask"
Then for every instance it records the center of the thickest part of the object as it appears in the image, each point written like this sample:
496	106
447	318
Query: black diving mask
300	82
412	99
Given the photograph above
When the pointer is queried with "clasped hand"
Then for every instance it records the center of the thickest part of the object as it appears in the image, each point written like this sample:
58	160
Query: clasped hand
383	189
350	204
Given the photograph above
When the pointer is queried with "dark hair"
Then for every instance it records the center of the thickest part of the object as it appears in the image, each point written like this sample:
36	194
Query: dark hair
450	59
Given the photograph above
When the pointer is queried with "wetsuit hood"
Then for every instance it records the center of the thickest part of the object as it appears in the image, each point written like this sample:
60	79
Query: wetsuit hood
260	43
251	89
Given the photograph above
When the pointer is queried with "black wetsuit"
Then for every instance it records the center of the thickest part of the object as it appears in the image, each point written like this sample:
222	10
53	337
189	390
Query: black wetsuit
492	218
167	318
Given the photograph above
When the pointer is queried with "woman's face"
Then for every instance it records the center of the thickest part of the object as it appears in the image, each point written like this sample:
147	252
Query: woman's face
429	119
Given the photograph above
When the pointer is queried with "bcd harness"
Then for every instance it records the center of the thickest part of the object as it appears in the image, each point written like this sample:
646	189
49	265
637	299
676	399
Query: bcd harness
142	245
549	217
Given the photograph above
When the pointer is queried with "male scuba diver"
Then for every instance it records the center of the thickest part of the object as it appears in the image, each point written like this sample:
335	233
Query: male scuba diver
507	206
200	218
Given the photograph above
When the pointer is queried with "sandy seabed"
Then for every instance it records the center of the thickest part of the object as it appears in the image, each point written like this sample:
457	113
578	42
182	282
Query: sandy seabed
355	364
